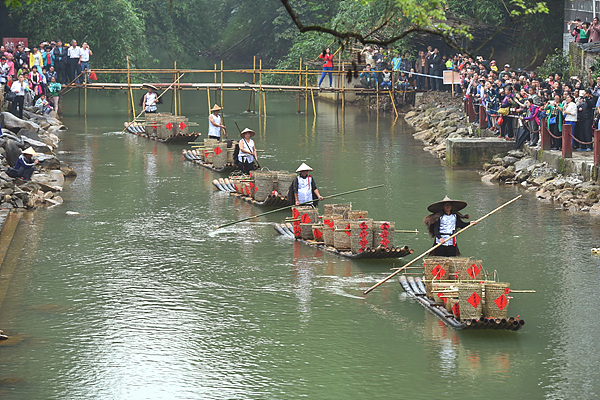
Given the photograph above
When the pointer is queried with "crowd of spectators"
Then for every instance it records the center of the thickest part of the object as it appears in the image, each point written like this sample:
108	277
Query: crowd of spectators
34	77
583	31
512	98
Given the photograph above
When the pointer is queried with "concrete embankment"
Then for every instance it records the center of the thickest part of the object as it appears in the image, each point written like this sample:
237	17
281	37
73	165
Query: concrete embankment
571	183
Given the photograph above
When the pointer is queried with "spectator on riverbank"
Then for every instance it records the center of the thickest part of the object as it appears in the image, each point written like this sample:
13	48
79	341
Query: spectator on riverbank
60	61
19	88
386	79
327	58
54	89
42	105
85	52
74	61
593	31
367	77
25	165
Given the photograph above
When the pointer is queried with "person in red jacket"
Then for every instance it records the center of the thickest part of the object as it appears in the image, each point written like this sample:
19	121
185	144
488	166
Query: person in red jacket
327	65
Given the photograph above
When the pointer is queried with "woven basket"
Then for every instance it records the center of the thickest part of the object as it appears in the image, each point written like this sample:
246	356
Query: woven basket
496	300
328	228
283	182
428	288
306	214
383	235
464	269
361	235
440	286
220	155
341	235
341	209
318	233
436	267
453	306
209	153
306	231
357	214
263	183
470	300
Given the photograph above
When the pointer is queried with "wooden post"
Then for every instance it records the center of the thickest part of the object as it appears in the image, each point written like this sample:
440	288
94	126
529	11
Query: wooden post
596	147
306	91
254	83
482	117
175	87
264	93
299	83
79	102
470	109
179	92
343	85
313	102
215	77
260	85
221	84
208	98
545	135
85	96
567	148
129	93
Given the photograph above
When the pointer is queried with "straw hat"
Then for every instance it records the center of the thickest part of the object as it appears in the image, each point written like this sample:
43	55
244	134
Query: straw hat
148	85
304	167
247	130
29	150
215	108
457	205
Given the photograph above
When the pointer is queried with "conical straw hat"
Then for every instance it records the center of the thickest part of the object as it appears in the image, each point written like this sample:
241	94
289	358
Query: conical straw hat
29	150
216	108
457	205
304	167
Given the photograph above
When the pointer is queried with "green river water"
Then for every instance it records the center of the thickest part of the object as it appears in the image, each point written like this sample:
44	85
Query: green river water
138	298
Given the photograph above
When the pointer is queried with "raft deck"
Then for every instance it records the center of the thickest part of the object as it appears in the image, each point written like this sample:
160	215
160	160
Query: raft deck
369	253
139	130
416	290
190	156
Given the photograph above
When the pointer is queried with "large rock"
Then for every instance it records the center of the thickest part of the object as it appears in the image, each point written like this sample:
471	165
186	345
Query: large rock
12	152
15	124
38	146
524	163
472	153
50	180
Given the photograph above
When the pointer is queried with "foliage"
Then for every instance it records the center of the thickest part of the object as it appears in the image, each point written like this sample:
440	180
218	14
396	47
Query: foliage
556	62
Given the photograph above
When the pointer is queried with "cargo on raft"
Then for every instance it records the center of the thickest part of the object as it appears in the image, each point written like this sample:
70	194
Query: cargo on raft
343	231
214	155
164	128
457	291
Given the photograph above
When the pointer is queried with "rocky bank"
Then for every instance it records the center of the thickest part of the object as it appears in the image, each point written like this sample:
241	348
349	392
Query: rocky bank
438	117
41	133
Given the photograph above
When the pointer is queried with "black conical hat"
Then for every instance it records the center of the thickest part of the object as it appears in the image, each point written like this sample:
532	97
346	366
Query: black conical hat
457	205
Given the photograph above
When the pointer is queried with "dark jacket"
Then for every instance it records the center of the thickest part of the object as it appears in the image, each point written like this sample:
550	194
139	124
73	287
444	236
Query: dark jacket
60	55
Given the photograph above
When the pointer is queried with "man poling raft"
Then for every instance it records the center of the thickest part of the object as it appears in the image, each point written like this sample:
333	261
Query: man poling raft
214	124
303	189
443	222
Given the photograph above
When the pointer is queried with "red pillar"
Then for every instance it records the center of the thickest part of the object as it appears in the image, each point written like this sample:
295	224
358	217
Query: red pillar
596	147
567	140
471	110
545	135
482	117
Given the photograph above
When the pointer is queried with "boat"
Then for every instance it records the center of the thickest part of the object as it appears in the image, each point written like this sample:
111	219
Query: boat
455	290
195	157
163	128
369	253
244	190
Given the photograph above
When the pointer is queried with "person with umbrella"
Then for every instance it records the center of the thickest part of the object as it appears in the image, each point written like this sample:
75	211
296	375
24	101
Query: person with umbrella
304	189
444	220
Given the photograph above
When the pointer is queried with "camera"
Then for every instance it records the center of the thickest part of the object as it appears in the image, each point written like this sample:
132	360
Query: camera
593	68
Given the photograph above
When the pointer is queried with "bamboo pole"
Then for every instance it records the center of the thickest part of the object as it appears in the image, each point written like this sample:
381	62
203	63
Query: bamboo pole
306	92
221	83
79	101
393	103
306	202
439	244
313	102
254	83
264	93
299	83
131	111
175	75
208	99
85	97
179	94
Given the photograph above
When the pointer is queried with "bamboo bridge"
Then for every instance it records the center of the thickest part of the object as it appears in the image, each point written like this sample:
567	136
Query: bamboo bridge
213	83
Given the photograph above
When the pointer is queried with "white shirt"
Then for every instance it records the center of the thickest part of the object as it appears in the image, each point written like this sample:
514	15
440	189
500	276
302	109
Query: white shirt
74	52
18	88
85	54
571	112
447	226
212	129
304	189
247	146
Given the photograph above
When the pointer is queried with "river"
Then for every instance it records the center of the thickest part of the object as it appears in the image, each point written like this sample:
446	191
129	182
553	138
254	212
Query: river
138	297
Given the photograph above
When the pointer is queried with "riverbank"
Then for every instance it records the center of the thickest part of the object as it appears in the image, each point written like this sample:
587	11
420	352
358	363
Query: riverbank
437	118
41	133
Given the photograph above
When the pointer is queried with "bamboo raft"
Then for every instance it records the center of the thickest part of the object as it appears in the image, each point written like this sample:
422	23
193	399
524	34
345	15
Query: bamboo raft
286	230
140	130
456	290
192	156
226	185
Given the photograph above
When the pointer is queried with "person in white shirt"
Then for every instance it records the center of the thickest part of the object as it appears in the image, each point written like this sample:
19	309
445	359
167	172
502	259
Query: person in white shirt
74	61
84	61
303	189
18	88
214	124
444	221
570	112
247	153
